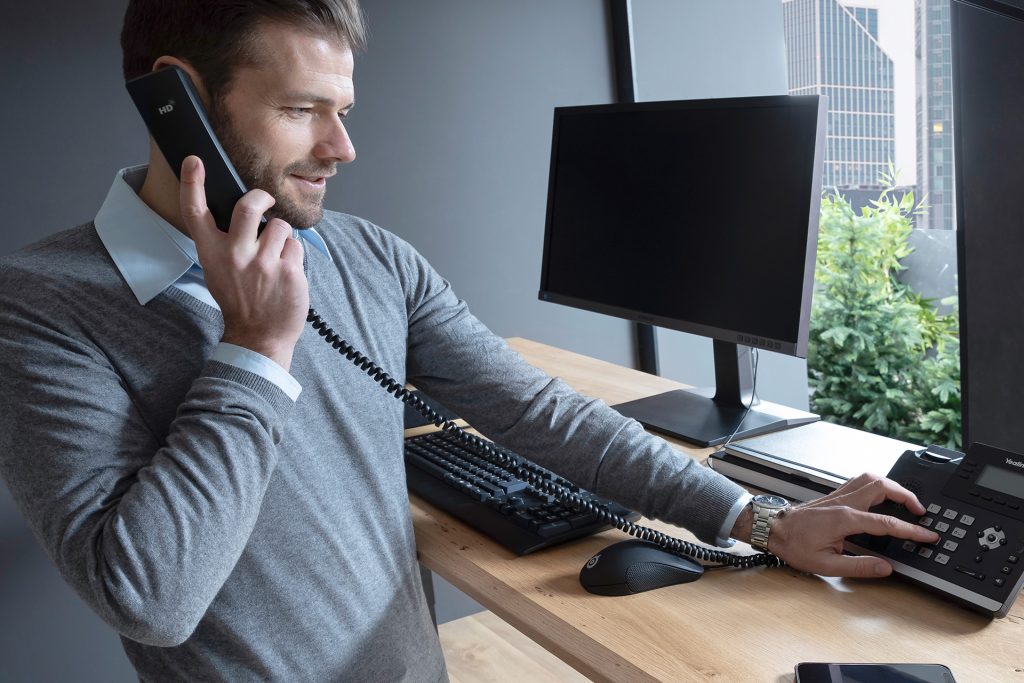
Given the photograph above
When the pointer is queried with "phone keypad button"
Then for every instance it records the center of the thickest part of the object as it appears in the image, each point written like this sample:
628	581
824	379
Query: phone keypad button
950	545
1012	559
950	514
909	546
967	520
942	527
942	558
959	533
925	521
999	582
934	509
925	552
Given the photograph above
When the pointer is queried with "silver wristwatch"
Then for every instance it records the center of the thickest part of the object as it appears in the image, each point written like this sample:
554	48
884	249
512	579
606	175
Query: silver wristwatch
766	508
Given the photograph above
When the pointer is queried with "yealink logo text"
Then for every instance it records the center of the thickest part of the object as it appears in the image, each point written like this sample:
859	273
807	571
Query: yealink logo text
1015	463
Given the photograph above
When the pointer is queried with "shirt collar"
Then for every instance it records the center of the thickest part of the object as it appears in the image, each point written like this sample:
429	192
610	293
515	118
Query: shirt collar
150	253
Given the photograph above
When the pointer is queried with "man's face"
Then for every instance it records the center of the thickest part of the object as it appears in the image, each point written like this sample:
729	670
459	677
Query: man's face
280	121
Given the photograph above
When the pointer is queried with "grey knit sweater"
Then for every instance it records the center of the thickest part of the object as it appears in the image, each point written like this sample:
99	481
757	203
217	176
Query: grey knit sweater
229	534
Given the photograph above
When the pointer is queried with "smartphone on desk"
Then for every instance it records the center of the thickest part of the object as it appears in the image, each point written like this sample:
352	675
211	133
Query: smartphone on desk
818	672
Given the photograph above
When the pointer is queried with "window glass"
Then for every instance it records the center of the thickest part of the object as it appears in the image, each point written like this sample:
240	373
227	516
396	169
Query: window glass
884	357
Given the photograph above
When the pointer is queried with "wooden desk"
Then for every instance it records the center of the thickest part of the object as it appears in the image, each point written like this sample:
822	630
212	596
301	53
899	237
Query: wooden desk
752	625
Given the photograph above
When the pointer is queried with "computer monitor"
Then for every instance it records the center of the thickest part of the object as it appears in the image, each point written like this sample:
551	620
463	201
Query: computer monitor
699	216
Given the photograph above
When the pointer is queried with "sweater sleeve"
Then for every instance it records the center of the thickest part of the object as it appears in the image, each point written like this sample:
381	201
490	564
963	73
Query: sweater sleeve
456	359
145	528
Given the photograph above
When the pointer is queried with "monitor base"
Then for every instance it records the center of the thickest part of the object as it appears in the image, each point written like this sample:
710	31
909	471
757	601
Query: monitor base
703	421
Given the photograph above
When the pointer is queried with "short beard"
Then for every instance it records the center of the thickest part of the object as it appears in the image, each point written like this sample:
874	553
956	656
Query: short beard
255	171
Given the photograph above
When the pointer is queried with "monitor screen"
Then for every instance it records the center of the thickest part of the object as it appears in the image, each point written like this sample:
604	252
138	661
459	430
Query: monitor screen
696	215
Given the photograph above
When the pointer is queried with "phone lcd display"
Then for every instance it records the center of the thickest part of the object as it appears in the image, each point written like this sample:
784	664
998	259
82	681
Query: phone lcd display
1002	480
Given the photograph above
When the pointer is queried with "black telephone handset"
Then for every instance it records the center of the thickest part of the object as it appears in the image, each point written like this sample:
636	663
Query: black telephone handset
178	122
975	502
175	117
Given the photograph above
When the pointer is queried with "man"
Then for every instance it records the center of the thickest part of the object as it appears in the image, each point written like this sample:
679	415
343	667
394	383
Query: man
208	474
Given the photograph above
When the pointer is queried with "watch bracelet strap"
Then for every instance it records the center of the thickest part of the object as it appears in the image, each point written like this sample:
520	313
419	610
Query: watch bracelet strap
760	530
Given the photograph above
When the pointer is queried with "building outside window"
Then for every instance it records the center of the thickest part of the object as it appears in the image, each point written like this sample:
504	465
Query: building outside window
886	67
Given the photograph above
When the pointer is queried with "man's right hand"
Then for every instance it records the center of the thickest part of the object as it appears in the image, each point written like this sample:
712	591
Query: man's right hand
809	537
257	280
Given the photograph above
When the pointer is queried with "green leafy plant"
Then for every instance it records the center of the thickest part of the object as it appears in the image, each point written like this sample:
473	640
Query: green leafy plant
881	357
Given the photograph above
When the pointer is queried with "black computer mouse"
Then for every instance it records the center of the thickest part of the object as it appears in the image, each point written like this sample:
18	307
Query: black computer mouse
635	566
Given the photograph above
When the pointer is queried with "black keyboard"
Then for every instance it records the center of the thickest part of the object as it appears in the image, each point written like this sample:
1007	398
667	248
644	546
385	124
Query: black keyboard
446	474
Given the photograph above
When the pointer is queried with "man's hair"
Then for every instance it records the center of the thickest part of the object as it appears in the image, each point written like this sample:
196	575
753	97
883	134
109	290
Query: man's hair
218	36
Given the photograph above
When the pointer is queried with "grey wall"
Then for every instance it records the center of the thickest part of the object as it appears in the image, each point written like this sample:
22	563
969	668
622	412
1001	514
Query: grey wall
452	128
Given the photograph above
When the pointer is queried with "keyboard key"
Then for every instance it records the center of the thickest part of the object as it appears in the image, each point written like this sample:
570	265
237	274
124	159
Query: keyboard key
430	468
513	486
492	489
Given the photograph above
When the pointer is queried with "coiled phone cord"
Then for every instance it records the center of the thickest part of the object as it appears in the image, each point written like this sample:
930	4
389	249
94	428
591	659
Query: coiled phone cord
531	473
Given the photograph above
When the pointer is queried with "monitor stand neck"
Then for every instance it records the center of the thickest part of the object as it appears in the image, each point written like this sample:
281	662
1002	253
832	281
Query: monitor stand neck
711	421
734	375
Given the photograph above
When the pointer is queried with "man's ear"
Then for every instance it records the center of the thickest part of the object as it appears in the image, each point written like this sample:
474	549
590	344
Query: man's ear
197	81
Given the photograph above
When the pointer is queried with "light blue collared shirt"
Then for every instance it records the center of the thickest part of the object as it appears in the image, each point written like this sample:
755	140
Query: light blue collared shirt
152	255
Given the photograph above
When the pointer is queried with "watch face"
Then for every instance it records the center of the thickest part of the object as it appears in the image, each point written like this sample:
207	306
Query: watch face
771	501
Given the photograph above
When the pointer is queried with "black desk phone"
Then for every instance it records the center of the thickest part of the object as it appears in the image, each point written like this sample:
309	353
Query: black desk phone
975	502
